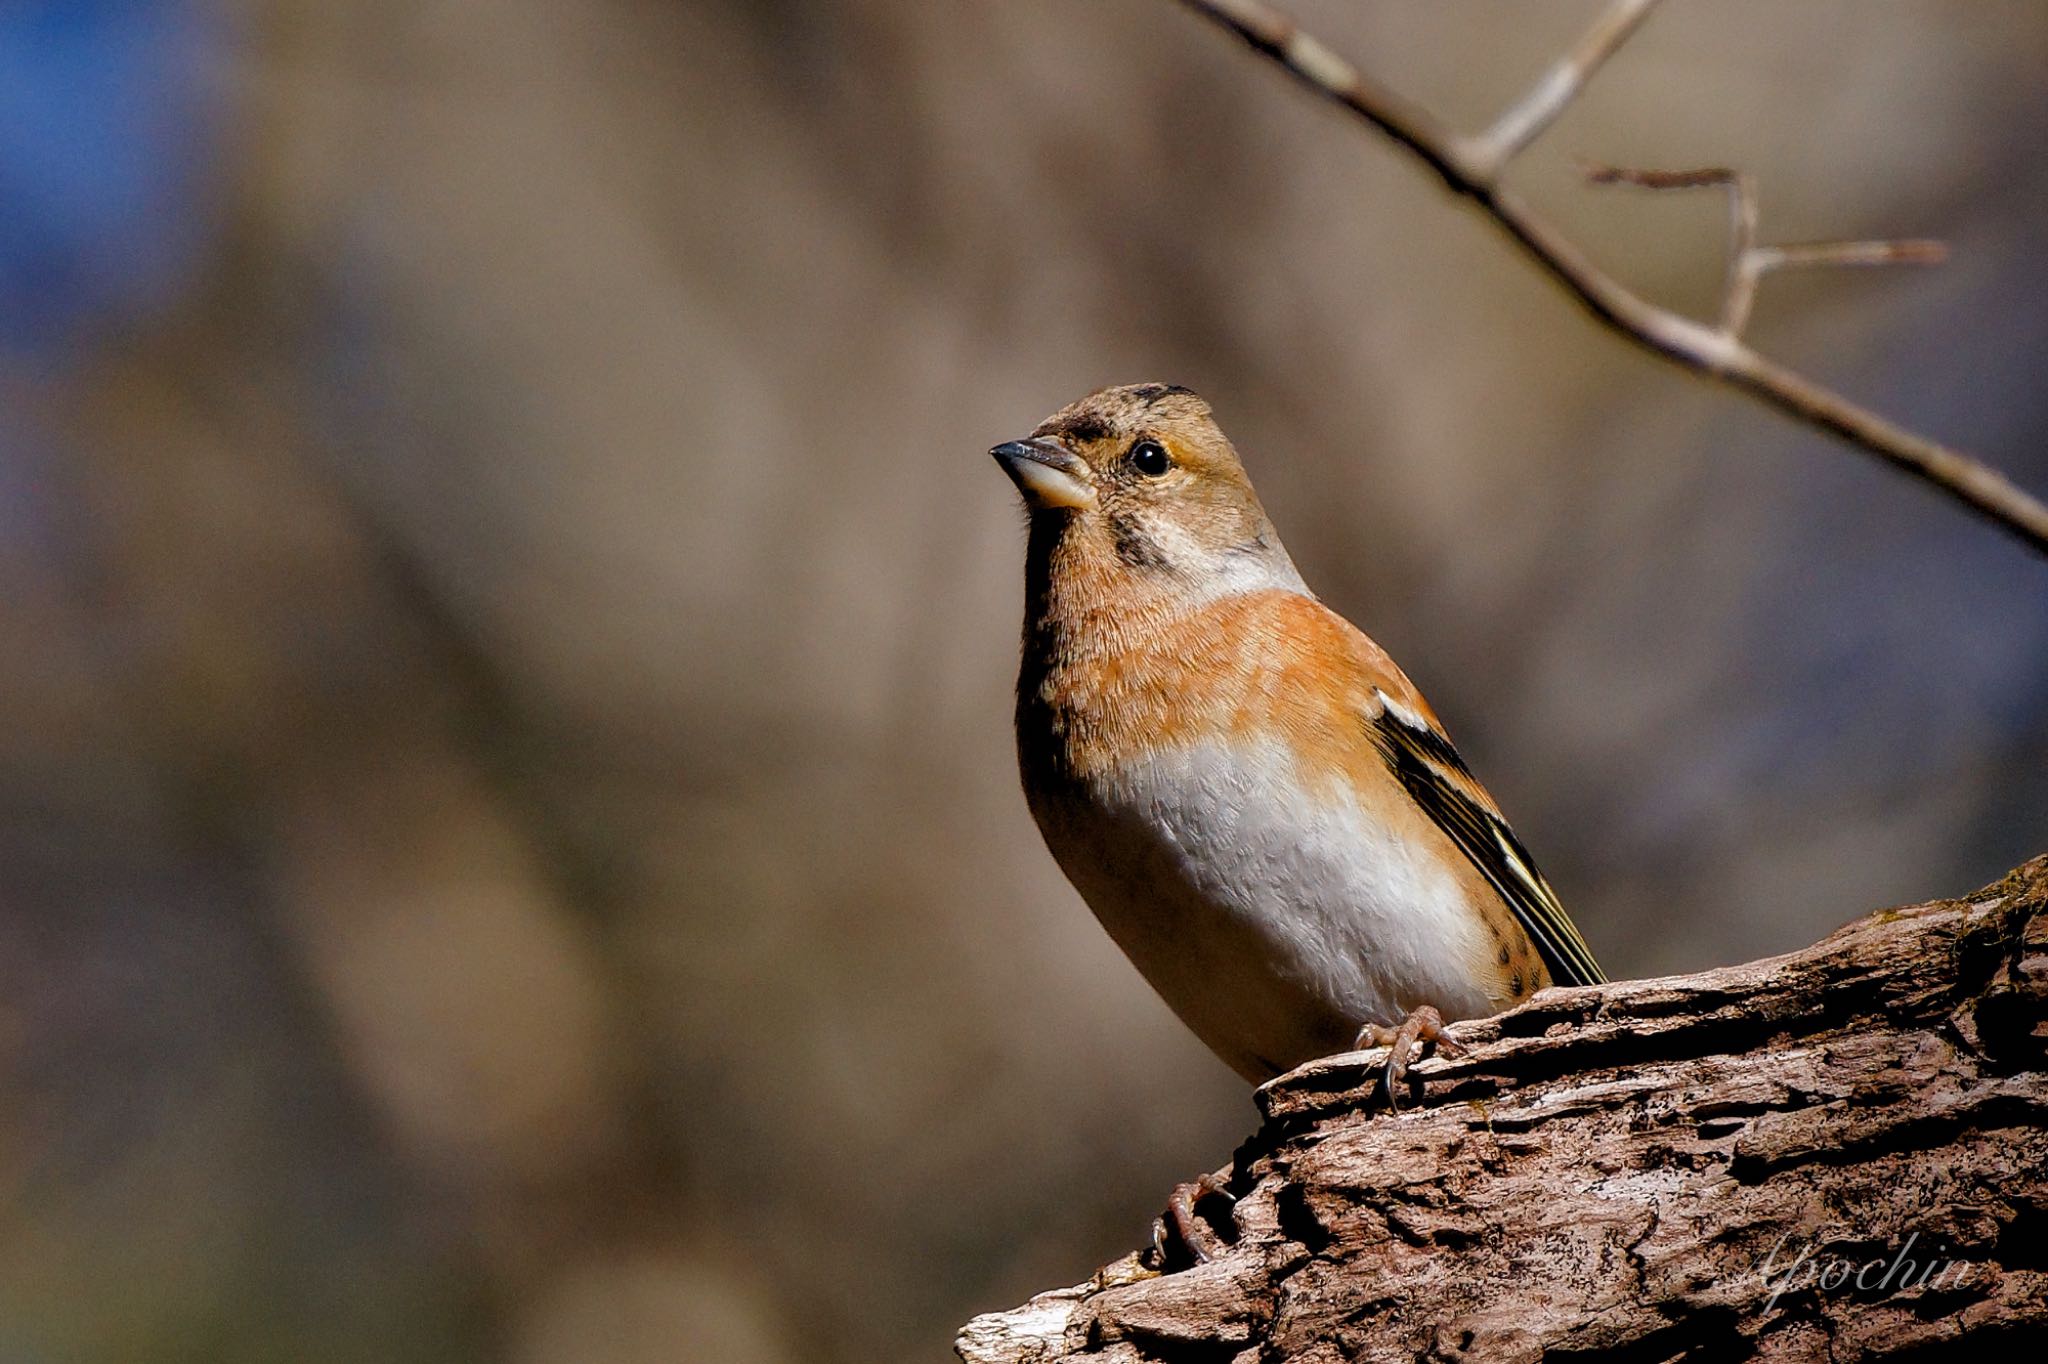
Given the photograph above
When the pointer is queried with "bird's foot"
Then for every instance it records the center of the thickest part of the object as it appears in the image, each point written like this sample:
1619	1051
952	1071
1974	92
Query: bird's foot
1181	1232
1423	1026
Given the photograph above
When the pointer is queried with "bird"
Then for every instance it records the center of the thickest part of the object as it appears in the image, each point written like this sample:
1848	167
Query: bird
1254	800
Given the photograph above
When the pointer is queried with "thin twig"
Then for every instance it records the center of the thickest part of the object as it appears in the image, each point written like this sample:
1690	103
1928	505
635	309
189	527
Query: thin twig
1906	251
1473	167
1739	281
1748	262
1526	119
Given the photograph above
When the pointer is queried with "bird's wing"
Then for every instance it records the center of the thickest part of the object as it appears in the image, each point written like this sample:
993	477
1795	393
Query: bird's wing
1429	769
1314	675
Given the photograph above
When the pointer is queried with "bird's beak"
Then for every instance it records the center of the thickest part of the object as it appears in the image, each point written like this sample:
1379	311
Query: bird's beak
1047	473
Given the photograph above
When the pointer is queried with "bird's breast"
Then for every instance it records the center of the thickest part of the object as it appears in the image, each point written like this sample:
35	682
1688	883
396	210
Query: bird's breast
1274	908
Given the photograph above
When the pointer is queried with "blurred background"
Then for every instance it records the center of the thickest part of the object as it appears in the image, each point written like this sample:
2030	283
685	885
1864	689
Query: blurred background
509	844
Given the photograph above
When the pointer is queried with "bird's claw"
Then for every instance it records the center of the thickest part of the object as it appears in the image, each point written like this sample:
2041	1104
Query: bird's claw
1180	1225
1423	1027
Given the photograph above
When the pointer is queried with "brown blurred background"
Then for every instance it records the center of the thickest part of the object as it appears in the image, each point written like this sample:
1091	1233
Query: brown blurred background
509	847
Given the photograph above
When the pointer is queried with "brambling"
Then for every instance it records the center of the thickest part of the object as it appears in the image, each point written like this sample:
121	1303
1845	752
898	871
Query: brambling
1257	804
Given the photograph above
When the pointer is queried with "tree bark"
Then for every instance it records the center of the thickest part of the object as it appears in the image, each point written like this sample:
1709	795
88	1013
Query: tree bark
1840	1153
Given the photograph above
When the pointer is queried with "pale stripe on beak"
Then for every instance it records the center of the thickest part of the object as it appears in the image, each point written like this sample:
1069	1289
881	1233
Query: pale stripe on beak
1047	473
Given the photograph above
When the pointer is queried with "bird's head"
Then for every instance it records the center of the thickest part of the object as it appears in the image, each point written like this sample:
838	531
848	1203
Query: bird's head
1141	479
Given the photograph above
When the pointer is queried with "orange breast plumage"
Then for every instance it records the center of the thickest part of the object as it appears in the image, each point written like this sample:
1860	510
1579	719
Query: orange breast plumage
1211	789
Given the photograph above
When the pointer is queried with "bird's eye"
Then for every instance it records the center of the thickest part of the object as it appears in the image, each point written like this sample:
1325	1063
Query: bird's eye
1149	458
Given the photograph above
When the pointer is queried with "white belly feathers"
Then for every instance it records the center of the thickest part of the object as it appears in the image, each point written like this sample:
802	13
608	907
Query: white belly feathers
1275	921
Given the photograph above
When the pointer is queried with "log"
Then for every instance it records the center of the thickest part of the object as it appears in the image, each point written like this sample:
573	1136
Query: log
1839	1153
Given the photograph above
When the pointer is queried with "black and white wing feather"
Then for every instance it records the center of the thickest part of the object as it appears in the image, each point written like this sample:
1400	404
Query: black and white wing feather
1436	778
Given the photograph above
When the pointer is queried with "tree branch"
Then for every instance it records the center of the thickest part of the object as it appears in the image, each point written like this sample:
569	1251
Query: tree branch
1700	1166
1474	167
1527	119
1748	261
